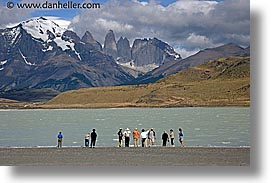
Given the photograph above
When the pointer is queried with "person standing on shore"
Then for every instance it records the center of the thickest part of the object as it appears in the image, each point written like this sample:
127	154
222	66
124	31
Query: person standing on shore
87	140
127	134
144	135
151	137
136	136
93	138
59	140
120	137
165	138
172	137
181	137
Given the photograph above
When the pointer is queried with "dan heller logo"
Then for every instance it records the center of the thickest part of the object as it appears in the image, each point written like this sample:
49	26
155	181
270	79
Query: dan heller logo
53	5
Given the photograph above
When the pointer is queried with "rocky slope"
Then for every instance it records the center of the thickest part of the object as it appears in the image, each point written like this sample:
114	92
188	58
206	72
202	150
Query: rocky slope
144	55
202	56
40	54
221	82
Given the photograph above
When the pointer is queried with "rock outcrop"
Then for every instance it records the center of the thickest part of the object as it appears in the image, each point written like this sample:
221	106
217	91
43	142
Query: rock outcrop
124	50
89	39
110	46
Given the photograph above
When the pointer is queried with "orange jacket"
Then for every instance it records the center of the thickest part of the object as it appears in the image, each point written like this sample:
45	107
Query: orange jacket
136	134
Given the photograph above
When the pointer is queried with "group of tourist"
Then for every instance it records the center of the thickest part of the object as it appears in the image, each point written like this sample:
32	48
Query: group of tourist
147	138
89	136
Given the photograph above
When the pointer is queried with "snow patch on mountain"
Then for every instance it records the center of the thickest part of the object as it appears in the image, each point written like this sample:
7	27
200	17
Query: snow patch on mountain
50	48
12	35
144	68
39	28
2	63
170	51
25	59
48	31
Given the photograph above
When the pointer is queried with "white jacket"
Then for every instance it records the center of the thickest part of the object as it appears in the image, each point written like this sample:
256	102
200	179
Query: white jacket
144	134
127	133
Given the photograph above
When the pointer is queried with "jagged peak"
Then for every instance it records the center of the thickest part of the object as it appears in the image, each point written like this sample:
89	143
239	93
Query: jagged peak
123	39
88	33
110	31
110	40
110	35
40	20
88	37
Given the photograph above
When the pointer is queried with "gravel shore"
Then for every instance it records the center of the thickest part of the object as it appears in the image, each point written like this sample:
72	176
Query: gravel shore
113	156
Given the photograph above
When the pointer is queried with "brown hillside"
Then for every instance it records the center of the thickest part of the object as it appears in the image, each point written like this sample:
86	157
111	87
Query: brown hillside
221	82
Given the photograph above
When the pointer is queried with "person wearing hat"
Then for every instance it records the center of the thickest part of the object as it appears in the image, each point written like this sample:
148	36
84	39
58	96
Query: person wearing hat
120	137
172	137
93	138
136	136
127	133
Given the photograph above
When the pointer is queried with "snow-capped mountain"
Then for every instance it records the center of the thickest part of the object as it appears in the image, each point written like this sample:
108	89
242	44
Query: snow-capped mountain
49	33
38	53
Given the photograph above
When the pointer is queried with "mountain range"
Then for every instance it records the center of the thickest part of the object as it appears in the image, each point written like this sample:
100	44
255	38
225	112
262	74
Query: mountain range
39	54
202	56
219	82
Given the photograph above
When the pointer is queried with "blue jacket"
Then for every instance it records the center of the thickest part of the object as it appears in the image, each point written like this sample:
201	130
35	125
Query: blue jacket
60	136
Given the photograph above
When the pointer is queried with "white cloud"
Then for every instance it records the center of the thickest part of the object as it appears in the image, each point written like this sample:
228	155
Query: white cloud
114	25
186	24
10	17
184	53
192	7
61	22
194	40
192	24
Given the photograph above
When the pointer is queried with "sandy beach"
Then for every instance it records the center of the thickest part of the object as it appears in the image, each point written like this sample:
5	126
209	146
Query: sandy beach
112	156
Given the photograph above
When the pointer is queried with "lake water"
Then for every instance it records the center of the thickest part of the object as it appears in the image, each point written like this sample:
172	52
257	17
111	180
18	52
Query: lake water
201	126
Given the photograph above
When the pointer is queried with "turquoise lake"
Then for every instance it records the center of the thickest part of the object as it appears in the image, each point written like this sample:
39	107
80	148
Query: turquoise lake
202	126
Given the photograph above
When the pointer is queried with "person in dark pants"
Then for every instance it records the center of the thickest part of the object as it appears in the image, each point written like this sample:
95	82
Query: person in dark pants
143	136
87	140
93	138
172	137
165	138
181	137
59	140
120	137
127	134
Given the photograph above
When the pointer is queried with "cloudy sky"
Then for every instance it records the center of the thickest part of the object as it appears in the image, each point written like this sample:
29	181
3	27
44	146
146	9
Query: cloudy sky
187	25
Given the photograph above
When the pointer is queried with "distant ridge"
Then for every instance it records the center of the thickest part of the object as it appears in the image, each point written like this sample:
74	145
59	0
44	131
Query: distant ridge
202	56
220	82
38	55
